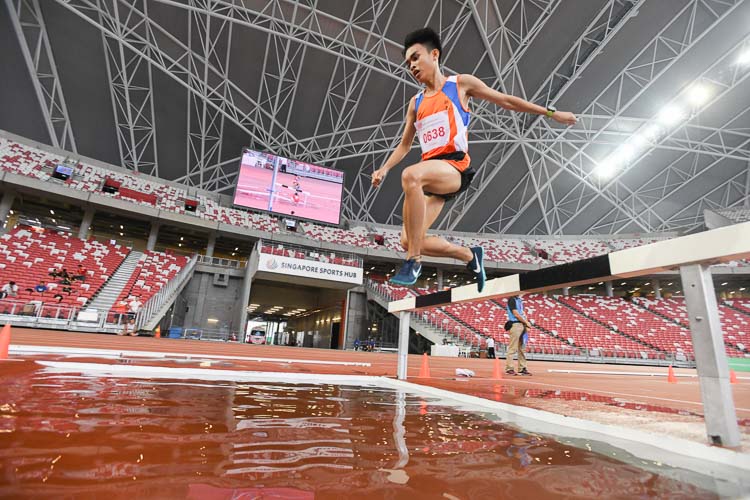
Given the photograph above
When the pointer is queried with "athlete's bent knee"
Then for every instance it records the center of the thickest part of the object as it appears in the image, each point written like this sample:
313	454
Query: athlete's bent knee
410	177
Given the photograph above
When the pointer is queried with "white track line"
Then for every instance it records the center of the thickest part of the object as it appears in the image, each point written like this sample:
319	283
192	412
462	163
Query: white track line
110	353
170	372
589	390
646	374
606	372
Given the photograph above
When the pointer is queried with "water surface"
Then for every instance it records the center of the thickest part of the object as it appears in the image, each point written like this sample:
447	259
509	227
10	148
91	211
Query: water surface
80	436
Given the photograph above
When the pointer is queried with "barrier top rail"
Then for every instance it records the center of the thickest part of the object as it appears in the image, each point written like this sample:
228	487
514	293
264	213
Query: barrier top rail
709	247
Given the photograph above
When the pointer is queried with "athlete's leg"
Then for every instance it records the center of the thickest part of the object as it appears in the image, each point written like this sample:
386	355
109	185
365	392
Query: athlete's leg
434	176
420	212
434	246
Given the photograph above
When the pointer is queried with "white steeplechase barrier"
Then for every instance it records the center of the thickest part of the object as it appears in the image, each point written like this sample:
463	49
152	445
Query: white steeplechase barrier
691	254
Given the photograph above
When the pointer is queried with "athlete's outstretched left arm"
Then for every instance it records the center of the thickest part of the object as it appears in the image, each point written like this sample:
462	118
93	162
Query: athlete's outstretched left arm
474	87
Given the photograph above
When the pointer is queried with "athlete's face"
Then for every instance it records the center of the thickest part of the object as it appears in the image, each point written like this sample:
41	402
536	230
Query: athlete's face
421	62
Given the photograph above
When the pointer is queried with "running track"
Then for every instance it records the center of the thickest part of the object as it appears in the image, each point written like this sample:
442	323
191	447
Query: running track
544	390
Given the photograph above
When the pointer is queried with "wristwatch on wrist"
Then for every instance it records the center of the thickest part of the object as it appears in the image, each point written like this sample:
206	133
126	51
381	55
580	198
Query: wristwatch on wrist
550	111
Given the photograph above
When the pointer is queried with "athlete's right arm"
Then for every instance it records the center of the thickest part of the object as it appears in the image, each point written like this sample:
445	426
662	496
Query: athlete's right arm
403	147
521	318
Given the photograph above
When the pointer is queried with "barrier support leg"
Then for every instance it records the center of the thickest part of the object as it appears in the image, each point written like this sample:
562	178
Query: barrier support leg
710	357
403	344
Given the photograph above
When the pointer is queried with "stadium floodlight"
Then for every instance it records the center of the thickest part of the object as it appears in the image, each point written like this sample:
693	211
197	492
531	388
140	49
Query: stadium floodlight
607	168
626	152
744	58
651	132
639	141
670	115
698	94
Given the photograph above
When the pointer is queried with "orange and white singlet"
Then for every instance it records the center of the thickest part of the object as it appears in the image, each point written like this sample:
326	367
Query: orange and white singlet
443	125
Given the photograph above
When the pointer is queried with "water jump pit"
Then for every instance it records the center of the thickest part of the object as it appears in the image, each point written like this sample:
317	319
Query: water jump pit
80	429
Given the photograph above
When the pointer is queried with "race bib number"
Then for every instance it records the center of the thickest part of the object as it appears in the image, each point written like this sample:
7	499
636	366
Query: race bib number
433	131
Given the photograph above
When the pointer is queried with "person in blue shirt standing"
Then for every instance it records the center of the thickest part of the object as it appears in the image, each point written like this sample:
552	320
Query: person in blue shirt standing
518	336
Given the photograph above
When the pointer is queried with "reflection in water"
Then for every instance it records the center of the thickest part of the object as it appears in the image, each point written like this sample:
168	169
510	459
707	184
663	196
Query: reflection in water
71	435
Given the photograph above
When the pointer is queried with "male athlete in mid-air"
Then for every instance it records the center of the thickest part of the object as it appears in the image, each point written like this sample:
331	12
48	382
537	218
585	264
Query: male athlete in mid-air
297	190
439	115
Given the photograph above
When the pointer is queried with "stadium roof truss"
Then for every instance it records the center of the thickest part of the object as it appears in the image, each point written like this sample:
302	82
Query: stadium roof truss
324	81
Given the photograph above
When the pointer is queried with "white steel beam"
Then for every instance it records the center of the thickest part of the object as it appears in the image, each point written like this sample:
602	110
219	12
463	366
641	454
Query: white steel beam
31	31
724	76
605	25
170	55
204	142
131	90
613	101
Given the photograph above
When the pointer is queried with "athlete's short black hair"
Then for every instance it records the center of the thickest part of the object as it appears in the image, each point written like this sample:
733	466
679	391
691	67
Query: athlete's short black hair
427	37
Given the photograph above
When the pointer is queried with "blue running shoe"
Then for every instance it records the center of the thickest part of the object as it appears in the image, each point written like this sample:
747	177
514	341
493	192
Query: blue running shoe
408	274
476	266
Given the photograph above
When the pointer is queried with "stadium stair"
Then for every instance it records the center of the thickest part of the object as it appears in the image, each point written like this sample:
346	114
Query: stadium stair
608	327
735	308
423	327
464	324
660	314
478	335
151	318
105	299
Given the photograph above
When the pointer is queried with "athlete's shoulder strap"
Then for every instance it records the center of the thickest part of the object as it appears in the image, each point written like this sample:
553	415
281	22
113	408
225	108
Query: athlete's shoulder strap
418	100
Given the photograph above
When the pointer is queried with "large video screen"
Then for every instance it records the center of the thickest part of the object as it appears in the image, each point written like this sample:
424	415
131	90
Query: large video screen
289	187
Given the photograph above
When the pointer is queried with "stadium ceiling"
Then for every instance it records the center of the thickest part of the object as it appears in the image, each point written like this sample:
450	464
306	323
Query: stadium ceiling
177	88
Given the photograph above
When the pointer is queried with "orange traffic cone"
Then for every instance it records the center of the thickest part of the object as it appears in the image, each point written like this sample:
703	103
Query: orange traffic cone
424	371
670	376
732	377
497	372
423	407
497	389
157	332
4	341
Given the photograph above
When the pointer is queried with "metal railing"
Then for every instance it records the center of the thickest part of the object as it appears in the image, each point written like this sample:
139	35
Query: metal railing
37	311
62	317
305	253
209	334
418	316
164	296
220	262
